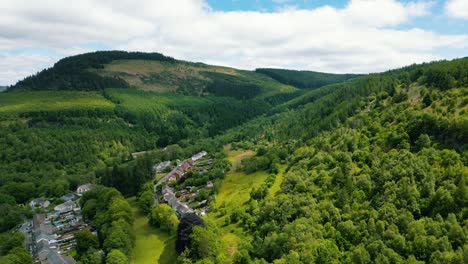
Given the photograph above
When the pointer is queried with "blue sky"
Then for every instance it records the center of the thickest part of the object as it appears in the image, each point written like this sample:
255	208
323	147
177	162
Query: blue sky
357	36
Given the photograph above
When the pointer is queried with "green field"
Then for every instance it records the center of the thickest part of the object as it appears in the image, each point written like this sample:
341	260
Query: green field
233	193
20	102
151	244
136	100
279	179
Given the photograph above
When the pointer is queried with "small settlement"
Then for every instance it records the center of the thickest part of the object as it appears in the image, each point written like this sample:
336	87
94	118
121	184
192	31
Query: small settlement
169	194
50	235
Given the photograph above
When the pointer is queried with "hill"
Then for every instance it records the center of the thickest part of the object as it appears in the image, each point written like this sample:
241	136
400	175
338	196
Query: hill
306	79
372	168
376	171
150	72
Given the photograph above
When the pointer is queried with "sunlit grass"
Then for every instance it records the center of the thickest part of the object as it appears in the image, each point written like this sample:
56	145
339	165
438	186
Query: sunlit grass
31	101
151	244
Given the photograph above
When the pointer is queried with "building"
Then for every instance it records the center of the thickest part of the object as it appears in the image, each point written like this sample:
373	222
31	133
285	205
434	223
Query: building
65	207
161	166
84	188
39	203
47	254
179	171
199	155
170	198
68	197
209	184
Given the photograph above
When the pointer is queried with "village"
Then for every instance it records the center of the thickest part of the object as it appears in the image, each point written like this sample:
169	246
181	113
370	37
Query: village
50	236
184	199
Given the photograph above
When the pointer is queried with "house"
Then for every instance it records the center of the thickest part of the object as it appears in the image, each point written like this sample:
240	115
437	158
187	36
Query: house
68	197
39	203
49	255
161	166
65	207
199	155
84	188
136	154
209	184
179	207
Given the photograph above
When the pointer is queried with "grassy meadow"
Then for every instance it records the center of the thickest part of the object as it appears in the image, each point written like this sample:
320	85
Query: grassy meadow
151	244
20	102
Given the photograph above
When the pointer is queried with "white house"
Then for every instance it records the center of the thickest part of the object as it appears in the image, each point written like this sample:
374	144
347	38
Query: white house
84	188
199	155
39	202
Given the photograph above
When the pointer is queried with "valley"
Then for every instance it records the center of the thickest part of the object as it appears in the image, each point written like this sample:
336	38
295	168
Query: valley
296	166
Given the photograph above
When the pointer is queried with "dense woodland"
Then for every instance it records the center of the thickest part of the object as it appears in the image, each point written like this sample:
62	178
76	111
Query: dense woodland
375	166
305	79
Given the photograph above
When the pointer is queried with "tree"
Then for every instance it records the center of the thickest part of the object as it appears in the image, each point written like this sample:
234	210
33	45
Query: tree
118	239
85	240
184	230
17	256
10	216
146	201
163	216
203	243
116	256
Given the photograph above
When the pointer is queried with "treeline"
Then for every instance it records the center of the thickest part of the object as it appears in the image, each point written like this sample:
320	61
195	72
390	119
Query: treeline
306	79
112	216
12	249
386	184
75	72
233	86
128	177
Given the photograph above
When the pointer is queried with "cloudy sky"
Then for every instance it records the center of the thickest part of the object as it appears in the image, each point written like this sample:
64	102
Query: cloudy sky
357	36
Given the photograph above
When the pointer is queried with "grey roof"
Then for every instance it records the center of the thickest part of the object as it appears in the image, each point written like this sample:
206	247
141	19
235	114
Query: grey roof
86	185
68	196
53	257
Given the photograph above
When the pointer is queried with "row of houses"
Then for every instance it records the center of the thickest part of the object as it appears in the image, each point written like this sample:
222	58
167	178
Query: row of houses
170	198
46	248
52	234
179	171
43	202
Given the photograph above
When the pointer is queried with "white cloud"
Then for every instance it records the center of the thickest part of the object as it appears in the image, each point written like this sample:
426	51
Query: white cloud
361	37
457	8
17	66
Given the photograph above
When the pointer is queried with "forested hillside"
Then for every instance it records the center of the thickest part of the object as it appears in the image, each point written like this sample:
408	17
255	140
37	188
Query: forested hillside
369	169
305	79
376	173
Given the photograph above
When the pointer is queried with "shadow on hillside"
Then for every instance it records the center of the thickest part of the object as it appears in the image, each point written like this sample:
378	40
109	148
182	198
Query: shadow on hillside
169	255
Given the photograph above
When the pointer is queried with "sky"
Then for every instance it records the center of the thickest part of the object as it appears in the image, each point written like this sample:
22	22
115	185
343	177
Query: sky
343	36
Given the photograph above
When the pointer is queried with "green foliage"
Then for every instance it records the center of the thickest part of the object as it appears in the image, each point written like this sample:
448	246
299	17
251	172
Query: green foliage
112	215
306	79
232	86
146	201
204	243
116	257
385	183
129	177
163	216
85	241
184	230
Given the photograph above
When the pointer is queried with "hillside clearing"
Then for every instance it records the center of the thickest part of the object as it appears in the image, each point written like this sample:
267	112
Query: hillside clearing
151	244
20	102
233	193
